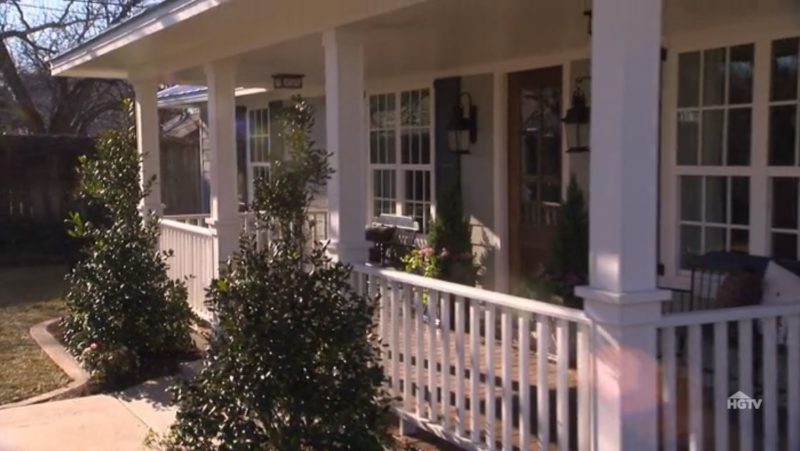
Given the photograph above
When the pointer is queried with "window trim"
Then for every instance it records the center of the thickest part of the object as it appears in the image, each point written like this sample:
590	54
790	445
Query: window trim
398	167
758	171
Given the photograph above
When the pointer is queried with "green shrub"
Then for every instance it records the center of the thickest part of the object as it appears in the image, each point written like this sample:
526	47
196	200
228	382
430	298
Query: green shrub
294	364
571	246
119	296
450	237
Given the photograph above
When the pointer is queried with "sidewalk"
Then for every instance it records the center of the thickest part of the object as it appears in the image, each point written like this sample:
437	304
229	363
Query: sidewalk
118	422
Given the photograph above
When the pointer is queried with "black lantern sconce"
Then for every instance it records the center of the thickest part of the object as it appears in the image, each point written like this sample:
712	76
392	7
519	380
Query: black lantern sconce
577	124
463	128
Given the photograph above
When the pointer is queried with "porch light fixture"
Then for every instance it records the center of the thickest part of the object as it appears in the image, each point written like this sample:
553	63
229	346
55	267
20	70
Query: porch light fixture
463	128
287	81
576	122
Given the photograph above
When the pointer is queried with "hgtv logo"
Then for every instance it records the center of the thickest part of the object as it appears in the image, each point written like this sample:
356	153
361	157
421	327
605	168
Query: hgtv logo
741	401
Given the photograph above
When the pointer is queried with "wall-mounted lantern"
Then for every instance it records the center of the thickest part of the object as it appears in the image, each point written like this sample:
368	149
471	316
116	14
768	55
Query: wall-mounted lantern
287	81
577	124
463	128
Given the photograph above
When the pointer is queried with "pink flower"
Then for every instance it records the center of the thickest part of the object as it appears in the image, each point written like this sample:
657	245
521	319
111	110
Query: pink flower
93	346
445	253
426	251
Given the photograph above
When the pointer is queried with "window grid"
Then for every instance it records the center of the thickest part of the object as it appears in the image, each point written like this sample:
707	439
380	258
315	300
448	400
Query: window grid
697	113
705	224
698	235
400	145
778	104
258	145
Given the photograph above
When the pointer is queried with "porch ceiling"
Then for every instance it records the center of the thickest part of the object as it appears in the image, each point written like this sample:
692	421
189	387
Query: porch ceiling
401	36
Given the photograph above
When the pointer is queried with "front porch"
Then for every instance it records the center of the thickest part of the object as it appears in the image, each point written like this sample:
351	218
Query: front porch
694	148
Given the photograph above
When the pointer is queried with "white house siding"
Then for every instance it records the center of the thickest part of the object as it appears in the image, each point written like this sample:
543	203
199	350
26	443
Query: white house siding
477	172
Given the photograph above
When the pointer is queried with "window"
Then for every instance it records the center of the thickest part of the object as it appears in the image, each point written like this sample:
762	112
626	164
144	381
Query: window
713	154
400	155
258	145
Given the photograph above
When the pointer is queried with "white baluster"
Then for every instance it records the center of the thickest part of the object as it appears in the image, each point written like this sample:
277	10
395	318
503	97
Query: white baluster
445	328
542	386
721	394
460	341
562	384
491	321
770	384
433	302
584	387
669	389
746	429
419	352
524	381
695	363
507	419
395	342
407	378
475	371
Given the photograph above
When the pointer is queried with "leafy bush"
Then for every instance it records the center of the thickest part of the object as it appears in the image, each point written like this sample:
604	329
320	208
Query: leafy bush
571	246
120	297
423	261
294	364
450	237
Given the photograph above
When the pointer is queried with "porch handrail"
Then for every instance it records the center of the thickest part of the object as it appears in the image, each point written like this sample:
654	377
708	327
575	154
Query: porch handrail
478	294
186	227
729	314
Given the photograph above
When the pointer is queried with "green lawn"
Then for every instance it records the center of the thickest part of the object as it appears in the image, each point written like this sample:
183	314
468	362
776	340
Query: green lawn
28	295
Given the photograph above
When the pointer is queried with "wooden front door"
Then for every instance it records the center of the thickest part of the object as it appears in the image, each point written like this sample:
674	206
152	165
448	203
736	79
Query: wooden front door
534	168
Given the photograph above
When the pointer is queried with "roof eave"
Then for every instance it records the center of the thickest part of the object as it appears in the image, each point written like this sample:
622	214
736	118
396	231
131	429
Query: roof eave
145	24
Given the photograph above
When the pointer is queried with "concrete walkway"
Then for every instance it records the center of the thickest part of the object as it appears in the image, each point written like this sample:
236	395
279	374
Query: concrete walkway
115	422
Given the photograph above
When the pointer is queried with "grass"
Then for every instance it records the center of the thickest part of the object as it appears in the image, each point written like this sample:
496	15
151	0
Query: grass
28	295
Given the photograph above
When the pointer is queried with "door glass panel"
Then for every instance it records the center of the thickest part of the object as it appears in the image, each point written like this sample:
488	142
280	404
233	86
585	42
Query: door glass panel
691	244
740	200
715	239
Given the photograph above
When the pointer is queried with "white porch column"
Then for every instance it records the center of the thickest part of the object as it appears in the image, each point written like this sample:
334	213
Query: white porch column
346	136
148	133
622	298
224	220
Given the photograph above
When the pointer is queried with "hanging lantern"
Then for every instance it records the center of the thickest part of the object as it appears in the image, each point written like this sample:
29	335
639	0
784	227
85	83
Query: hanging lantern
576	123
463	128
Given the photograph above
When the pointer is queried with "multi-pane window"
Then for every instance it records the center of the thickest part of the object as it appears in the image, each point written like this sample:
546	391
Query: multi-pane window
713	154
400	155
714	215
258	145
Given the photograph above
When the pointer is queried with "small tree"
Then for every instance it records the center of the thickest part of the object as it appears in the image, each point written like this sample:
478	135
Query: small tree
450	237
571	246
293	365
122	306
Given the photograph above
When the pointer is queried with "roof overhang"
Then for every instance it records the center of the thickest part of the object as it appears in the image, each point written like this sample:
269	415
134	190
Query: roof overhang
145	24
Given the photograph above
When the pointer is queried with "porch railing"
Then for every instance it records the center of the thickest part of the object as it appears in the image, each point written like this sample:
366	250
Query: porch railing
480	368
193	260
712	362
